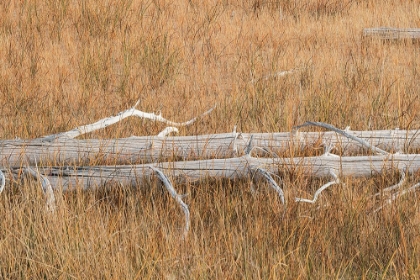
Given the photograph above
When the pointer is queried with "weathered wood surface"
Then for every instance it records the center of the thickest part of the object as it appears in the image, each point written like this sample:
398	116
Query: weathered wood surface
231	168
390	33
134	150
61	162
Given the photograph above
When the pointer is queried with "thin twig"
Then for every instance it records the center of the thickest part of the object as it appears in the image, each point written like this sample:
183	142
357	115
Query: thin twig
273	154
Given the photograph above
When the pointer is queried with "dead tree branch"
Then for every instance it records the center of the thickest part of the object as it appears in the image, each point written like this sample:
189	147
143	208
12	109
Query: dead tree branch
133	112
176	196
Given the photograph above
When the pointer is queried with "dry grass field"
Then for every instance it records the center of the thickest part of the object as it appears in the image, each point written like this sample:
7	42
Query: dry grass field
64	63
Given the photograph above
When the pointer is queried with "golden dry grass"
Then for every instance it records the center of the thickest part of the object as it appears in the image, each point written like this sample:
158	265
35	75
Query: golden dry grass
66	63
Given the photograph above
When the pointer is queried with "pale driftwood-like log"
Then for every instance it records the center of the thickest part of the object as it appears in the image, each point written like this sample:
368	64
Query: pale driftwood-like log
390	33
63	149
231	168
130	161
133	150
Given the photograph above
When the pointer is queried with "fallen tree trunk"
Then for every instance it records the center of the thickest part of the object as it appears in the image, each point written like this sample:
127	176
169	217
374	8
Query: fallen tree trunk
390	33
59	158
63	149
134	150
231	168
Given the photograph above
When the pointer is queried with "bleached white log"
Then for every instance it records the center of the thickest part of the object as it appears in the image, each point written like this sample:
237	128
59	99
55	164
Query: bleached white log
176	196
391	33
151	148
231	168
318	192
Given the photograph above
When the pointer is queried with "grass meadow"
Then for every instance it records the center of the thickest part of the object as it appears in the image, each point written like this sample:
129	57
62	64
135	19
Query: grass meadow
64	63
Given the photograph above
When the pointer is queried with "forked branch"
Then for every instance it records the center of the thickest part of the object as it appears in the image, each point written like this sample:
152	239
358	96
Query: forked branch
133	112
